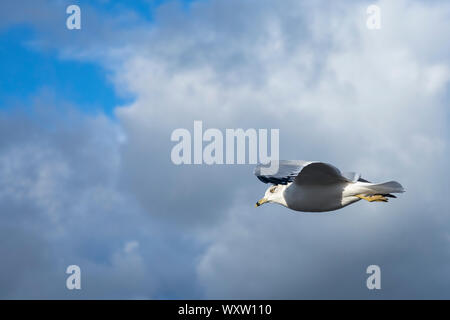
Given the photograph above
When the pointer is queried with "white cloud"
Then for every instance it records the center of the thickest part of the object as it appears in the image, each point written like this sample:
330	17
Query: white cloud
370	101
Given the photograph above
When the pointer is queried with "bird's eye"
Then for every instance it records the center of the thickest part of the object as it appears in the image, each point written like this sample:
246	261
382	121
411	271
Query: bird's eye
272	190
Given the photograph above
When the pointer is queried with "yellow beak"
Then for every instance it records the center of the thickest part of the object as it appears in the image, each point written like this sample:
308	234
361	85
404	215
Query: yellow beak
260	202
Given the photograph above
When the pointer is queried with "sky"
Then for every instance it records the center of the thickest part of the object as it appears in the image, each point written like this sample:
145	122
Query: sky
86	176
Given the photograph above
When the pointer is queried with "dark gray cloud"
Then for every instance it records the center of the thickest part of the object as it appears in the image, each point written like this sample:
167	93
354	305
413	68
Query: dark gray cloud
61	205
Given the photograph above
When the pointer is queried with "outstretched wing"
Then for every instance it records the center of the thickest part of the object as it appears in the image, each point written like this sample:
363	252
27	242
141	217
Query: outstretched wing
287	171
304	172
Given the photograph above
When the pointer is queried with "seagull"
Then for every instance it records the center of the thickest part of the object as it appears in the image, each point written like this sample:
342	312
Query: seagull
314	186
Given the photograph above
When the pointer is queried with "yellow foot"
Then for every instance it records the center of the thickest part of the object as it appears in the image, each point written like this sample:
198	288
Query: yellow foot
376	197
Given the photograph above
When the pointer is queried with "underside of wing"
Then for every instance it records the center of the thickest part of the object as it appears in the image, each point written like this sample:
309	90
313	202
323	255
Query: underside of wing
304	173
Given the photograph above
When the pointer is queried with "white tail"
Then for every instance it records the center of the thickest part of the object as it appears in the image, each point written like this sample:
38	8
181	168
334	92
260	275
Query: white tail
380	188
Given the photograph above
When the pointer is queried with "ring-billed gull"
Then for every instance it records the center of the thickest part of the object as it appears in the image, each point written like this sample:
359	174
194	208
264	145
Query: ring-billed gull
314	186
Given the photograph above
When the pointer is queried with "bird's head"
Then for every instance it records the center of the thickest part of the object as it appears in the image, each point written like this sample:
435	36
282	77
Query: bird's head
273	194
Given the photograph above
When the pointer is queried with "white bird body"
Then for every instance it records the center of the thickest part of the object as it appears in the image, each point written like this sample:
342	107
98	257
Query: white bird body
316	198
321	187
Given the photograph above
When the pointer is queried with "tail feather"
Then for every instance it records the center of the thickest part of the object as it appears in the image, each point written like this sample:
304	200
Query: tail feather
389	195
385	188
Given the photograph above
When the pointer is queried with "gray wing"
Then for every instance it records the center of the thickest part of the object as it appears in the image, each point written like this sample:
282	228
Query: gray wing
304	172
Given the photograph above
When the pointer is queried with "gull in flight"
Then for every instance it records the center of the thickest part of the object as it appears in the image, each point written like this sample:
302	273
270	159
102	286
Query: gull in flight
313	186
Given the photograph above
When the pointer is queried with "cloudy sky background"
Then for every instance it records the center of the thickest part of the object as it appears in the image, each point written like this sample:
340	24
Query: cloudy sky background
85	171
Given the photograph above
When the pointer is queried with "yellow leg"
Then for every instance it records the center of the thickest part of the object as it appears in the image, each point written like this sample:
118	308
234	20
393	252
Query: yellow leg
376	197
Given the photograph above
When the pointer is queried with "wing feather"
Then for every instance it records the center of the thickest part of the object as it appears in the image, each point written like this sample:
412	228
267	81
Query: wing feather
304	172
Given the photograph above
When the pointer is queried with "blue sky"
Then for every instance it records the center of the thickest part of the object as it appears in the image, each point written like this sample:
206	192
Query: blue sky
86	176
28	69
